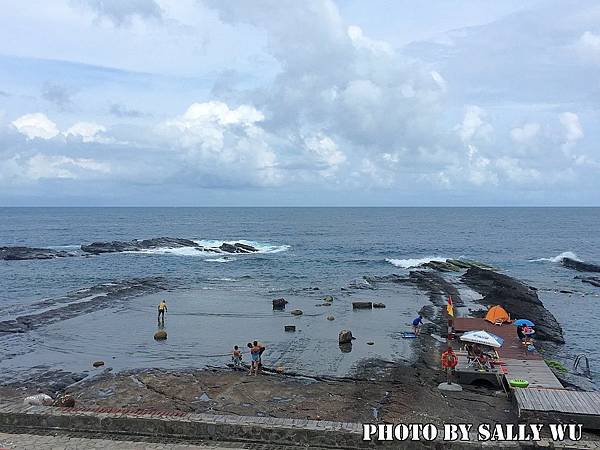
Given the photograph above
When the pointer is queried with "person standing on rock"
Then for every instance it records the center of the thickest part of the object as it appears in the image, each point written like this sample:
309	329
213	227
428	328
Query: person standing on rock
449	362
254	358
261	349
162	309
417	323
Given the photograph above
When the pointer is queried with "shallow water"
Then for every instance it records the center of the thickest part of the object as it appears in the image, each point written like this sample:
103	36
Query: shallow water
216	301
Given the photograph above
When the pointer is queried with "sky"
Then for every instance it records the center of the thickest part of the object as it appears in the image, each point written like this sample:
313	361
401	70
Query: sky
288	103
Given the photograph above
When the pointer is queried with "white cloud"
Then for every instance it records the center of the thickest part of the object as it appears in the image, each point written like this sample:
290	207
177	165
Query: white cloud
572	127
325	151
514	172
88	132
525	134
588	47
20	168
36	125
474	125
480	170
225	143
360	41
122	12
439	80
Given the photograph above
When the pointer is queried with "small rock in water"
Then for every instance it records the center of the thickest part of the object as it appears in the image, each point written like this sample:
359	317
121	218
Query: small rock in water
98	363
362	305
279	369
160	335
297	312
328	298
330	318
370	343
378	305
345	337
279	303
289	327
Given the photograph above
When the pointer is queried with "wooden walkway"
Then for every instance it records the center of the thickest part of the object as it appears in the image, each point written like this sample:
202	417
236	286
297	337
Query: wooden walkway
552	404
545	399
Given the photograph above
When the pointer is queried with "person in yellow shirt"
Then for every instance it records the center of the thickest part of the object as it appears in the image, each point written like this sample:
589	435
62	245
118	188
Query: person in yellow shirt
162	309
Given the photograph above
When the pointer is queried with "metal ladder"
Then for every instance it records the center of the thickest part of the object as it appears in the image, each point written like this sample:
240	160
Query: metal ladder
578	359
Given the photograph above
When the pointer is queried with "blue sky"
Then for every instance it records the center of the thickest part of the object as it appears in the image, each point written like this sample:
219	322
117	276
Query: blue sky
279	102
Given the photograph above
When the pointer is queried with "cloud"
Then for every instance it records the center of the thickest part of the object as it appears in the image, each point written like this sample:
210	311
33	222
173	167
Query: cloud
325	152
474	125
360	41
36	125
122	111
57	94
223	144
588	47
572	127
26	169
525	134
121	12
87	132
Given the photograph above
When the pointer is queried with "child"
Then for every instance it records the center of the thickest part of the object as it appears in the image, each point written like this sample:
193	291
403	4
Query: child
417	323
236	357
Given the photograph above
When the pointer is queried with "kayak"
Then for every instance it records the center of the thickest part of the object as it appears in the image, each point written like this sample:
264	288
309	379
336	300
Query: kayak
518	383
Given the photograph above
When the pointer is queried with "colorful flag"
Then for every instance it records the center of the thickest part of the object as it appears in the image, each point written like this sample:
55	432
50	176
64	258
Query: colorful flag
450	307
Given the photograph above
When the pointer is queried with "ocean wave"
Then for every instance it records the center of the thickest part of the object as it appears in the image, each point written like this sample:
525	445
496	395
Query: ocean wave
414	262
212	247
223	259
558	258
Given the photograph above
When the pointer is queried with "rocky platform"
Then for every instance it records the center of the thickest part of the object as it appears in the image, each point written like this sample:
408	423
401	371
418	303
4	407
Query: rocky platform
25	253
580	266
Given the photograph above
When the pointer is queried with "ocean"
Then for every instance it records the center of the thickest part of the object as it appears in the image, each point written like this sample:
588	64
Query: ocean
216	301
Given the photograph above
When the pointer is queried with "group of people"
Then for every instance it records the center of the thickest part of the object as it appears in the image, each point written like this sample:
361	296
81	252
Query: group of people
257	349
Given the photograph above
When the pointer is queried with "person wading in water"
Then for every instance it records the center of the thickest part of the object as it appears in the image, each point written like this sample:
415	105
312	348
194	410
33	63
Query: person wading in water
162	309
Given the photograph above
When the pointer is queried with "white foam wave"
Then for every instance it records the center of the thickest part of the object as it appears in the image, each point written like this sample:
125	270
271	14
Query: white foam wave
224	259
558	258
213	244
414	262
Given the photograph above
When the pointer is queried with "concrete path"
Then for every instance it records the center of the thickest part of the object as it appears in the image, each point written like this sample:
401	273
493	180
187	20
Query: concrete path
66	442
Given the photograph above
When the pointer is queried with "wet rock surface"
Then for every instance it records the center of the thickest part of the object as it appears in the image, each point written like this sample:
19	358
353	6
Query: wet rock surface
594	281
580	266
520	300
82	301
26	253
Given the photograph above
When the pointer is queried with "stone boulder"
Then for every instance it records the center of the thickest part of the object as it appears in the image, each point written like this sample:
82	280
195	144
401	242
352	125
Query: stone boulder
64	401
579	265
160	335
362	305
297	312
290	328
330	318
328	299
98	363
345	337
378	305
25	253
279	303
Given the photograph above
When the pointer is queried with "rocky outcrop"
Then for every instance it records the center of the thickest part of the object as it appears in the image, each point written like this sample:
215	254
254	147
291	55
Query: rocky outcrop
97	248
160	335
25	253
297	312
82	301
345	337
279	303
454	265
362	305
594	281
520	300
580	265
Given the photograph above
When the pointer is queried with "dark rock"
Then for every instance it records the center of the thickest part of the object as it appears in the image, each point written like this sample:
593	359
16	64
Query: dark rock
580	265
279	303
345	337
328	298
98	363
245	247
437	287
297	312
289	327
517	298
370	343
362	305
594	281
25	253
160	335
330	318
237	248
360	283
97	248
378	305
64	401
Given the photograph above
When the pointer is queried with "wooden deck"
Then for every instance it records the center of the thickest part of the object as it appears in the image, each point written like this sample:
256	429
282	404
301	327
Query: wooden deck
552	404
545	399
